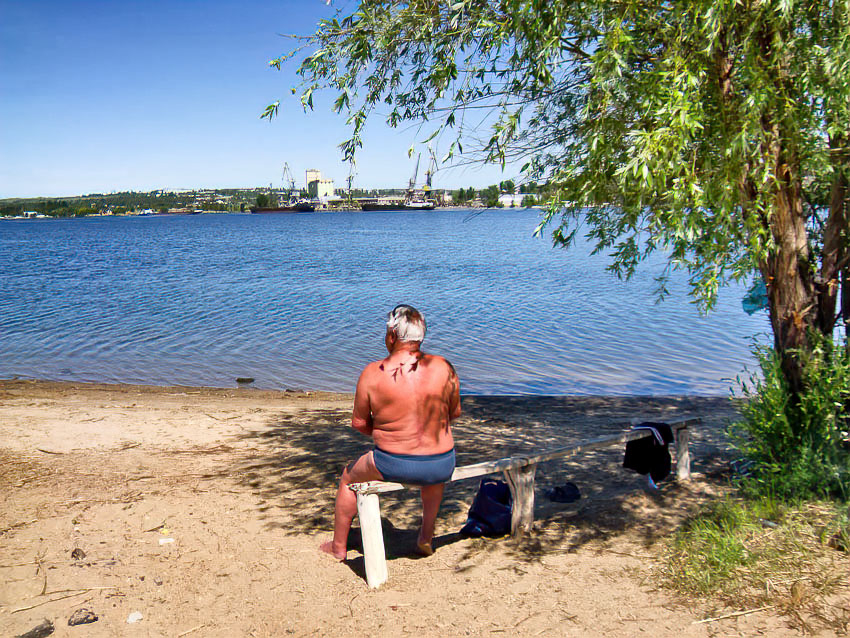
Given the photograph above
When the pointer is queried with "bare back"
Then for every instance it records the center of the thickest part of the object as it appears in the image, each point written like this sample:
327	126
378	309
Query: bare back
406	402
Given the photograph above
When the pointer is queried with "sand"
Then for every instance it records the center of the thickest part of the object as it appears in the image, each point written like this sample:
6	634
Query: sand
202	509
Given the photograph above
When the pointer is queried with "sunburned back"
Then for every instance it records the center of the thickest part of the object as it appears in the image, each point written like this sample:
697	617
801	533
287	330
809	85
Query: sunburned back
411	400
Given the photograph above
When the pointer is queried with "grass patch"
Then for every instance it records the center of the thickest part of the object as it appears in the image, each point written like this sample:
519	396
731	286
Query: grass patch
748	554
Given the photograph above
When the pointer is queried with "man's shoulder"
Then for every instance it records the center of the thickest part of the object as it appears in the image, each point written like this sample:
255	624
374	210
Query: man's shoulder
439	362
372	367
369	372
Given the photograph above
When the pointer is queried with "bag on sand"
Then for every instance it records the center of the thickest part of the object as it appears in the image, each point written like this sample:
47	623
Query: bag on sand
490	514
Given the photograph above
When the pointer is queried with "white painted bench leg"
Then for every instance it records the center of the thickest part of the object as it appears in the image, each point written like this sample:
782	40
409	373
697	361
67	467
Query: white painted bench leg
683	455
374	556
521	482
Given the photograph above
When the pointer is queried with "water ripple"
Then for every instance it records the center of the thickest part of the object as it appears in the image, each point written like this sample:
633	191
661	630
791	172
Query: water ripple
298	301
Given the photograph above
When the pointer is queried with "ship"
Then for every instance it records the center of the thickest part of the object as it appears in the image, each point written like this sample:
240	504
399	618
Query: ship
294	206
398	203
291	204
413	200
180	211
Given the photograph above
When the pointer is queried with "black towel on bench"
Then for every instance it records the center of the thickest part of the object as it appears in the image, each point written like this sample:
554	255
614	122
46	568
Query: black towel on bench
650	455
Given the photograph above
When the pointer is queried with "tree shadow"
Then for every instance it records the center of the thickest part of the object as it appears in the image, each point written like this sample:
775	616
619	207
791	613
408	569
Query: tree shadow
298	457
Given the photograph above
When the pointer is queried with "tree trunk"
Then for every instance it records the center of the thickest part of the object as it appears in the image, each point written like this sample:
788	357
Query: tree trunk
792	297
835	240
845	302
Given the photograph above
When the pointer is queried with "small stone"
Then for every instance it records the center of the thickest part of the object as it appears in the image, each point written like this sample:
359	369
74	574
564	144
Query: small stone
136	616
157	580
78	554
82	617
45	628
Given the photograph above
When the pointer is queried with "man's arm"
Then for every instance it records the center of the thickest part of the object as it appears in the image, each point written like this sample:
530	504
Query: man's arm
454	393
361	418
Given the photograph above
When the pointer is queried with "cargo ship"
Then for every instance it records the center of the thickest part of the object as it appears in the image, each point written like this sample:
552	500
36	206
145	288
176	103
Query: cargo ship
391	203
414	200
293	204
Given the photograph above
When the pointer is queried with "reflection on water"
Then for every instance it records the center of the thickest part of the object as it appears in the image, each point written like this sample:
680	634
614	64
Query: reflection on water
297	301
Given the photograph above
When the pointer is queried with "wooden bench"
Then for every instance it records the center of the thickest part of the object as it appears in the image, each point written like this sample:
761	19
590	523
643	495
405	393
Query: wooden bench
519	474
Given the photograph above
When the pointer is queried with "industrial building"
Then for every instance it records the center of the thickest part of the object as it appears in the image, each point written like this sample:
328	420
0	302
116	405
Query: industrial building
318	187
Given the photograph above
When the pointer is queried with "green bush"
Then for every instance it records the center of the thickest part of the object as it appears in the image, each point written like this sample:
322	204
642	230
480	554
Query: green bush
798	449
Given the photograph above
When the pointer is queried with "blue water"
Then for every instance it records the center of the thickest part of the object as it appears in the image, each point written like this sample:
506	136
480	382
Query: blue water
298	301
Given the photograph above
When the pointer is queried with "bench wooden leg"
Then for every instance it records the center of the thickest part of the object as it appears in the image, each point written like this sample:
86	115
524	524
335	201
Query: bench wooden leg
683	455
374	556
521	482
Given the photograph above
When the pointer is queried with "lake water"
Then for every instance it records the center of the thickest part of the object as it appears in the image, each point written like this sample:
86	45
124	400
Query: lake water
299	300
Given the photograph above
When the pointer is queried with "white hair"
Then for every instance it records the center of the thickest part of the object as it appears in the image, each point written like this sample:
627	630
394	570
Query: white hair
407	323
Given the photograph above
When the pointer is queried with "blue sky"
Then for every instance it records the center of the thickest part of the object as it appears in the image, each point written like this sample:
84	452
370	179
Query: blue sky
100	96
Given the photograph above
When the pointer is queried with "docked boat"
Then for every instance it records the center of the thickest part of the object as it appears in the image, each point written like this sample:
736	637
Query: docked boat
415	199
301	206
180	211
388	203
290	202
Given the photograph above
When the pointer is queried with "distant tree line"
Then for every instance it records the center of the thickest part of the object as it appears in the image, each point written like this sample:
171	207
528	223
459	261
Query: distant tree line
489	196
237	200
130	202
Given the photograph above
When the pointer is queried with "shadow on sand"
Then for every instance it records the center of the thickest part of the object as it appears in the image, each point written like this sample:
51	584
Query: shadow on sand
298	457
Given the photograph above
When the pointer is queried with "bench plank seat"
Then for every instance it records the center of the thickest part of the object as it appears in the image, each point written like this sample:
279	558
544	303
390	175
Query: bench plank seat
519	474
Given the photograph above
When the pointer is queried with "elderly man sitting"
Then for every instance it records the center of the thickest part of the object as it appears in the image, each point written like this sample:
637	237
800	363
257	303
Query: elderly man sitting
405	402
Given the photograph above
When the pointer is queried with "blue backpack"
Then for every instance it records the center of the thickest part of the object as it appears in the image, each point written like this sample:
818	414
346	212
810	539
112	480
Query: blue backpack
490	513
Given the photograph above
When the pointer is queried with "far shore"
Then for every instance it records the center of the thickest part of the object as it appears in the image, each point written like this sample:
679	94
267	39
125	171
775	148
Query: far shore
202	509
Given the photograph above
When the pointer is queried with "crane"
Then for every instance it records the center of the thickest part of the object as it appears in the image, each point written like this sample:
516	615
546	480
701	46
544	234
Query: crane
411	186
429	174
288	178
351	174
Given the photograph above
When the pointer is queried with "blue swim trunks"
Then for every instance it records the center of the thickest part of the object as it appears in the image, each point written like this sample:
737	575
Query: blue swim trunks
413	469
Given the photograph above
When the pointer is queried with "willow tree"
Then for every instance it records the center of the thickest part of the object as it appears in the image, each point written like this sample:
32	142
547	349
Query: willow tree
715	132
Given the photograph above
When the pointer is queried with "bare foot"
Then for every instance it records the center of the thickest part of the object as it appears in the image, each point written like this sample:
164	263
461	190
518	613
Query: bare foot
327	548
424	549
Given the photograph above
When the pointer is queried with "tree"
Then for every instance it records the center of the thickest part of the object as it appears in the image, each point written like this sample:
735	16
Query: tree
262	200
490	196
715	131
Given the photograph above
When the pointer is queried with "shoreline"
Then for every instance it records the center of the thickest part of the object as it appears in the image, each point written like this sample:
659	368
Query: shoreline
19	379
203	508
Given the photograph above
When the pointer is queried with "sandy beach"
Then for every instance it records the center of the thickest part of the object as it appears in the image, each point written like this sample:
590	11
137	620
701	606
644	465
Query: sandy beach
202	509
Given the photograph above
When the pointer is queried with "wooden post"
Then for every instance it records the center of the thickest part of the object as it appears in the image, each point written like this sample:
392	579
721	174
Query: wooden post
369	512
683	455
521	482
